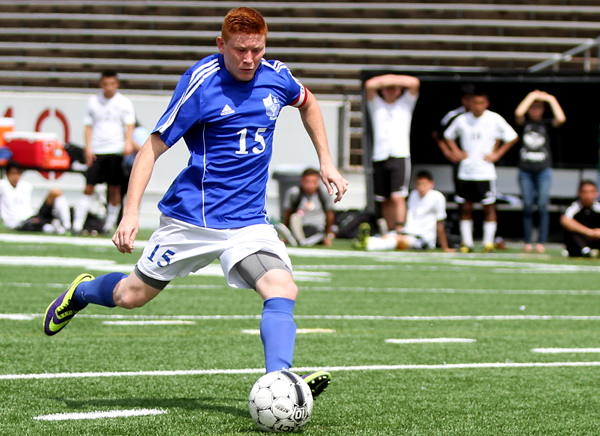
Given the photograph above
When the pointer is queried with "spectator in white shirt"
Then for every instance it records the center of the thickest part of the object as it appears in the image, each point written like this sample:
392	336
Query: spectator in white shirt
484	138
109	124
424	221
391	100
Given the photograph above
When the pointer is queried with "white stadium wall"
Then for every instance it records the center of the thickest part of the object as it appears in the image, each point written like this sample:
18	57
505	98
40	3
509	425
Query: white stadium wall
62	113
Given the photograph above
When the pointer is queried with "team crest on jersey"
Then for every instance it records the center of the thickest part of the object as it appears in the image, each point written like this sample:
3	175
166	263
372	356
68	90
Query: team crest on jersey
272	106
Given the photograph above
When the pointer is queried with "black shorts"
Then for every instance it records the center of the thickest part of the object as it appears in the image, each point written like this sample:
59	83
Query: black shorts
391	176
106	169
476	191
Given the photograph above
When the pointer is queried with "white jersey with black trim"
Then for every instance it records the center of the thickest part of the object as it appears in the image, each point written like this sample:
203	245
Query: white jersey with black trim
15	202
228	127
478	136
423	213
109	118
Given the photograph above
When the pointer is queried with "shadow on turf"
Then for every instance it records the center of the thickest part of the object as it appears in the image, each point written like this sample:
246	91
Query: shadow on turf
202	403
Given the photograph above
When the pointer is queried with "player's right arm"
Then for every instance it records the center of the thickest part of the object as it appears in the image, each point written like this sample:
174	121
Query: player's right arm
312	118
575	226
143	165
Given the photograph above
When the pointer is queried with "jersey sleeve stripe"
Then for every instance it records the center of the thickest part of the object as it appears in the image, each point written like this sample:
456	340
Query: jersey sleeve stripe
301	99
196	80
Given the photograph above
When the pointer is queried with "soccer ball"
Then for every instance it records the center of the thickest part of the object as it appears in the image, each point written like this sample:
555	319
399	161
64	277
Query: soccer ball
280	401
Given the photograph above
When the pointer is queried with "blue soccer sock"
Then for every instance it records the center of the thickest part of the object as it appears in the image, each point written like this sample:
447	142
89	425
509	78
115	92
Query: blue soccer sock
278	333
99	291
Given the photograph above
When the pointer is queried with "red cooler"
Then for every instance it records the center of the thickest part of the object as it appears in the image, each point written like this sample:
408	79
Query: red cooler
38	150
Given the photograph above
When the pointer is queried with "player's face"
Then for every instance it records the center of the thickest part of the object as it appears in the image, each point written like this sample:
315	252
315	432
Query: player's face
109	85
536	110
479	104
423	186
242	54
391	93
13	177
587	195
310	184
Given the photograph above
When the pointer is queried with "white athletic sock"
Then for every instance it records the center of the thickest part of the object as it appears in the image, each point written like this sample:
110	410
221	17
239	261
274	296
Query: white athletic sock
112	214
466	232
81	211
381	244
489	232
61	206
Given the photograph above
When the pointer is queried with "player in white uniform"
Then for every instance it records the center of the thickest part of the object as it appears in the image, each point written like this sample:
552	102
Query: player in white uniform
225	107
109	124
424	221
391	100
15	205
484	138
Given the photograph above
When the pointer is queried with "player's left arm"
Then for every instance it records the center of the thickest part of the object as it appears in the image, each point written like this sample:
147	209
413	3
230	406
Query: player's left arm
441	234
129	140
500	151
312	118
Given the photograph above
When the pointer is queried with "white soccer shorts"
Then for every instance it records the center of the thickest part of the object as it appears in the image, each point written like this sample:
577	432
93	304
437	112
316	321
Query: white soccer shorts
177	249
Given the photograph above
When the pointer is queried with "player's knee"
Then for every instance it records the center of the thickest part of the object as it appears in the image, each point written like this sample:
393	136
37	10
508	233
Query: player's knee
130	296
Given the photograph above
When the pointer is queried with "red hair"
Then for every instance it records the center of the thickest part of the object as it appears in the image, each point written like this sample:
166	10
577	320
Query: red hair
243	20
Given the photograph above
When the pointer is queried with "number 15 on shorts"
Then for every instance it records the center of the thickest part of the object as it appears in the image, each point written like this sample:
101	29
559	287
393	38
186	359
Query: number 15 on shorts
166	255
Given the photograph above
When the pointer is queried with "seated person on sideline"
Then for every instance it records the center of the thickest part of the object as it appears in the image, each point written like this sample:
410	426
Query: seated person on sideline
15	205
424	221
581	222
308	213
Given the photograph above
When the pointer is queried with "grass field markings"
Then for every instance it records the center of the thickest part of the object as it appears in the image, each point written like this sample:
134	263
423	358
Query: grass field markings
17	316
300	252
63	240
298	331
99	415
299	370
151	322
565	350
343	317
456	291
428	340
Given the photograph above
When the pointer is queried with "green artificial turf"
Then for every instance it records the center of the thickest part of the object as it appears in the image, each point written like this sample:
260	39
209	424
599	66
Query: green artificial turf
363	298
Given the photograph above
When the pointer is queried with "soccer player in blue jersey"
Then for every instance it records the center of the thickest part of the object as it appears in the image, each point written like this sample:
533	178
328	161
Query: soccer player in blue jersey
225	108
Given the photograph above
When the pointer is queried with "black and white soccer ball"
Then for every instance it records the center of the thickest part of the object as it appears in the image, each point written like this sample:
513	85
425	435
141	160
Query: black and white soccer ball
280	401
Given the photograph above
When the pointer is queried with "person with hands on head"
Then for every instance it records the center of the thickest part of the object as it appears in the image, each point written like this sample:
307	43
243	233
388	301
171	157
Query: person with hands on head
391	100
225	108
535	161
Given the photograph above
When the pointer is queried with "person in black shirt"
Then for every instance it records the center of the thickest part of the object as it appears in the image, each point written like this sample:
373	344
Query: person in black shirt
581	222
535	161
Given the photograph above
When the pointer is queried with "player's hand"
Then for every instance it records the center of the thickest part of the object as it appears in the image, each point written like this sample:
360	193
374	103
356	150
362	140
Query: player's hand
128	149
449	250
595	233
124	237
327	242
331	177
90	157
492	157
459	155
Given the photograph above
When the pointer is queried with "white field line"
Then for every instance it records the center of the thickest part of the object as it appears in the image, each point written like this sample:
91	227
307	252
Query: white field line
112	266
565	350
298	370
456	291
98	415
338	317
298	331
428	340
156	322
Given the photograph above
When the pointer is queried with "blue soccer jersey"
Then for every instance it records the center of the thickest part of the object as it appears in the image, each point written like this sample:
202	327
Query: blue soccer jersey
228	127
